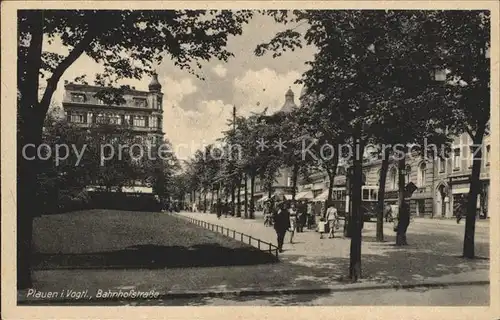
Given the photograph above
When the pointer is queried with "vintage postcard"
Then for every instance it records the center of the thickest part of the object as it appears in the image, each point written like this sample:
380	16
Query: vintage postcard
337	158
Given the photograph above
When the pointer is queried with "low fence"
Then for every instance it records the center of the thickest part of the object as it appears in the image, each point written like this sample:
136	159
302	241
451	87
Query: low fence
261	245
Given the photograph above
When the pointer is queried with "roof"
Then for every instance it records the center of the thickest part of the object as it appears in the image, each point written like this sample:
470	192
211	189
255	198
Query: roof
289	104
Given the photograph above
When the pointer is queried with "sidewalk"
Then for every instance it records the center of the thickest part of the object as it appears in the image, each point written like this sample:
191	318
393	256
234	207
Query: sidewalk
310	265
432	256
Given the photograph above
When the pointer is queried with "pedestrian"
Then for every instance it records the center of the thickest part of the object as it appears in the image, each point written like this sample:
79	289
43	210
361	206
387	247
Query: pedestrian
331	218
301	215
459	208
218	208
293	221
321	227
309	215
226	209
281	224
267	215
387	213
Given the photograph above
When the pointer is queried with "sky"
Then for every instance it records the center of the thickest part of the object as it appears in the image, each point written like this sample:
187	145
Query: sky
197	111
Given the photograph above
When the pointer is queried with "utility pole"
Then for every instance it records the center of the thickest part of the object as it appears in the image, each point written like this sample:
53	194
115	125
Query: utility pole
233	189
234	119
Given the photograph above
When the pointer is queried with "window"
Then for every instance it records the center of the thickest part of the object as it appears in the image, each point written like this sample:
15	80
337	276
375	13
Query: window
139	121
393	179
441	165
100	101
407	174
101	118
140	102
77	97
422	174
289	182
374	194
115	119
154	122
159	103
366	194
456	159
78	118
487	155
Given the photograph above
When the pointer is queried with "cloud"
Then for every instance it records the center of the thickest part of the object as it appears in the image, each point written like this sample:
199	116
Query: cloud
190	130
175	90
256	90
220	70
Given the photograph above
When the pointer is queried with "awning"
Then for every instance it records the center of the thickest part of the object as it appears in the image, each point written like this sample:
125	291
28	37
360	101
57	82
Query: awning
305	195
322	197
460	190
281	196
264	198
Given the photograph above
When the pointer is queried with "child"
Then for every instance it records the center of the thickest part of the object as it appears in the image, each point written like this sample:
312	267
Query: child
321	227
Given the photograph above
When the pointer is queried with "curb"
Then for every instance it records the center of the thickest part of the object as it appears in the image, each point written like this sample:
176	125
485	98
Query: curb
262	292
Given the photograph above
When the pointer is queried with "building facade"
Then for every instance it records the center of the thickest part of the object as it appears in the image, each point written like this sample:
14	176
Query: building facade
451	177
141	112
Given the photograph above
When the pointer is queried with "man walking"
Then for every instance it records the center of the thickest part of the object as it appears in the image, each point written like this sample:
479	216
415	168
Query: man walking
331	218
281	224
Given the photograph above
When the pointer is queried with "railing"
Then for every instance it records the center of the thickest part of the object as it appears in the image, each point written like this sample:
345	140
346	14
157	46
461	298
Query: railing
261	245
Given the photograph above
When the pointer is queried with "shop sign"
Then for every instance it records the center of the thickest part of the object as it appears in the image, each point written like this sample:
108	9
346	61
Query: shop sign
459	179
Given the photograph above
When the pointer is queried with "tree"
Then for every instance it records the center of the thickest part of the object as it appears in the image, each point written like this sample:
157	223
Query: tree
186	36
464	40
370	64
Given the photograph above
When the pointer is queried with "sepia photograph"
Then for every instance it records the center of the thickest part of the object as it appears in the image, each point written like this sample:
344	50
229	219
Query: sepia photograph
252	157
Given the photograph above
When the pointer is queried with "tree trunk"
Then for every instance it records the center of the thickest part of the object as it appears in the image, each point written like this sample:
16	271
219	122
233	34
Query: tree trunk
252	191
232	199
246	197
331	177
381	196
30	132
205	201
403	214
475	189
356	216
238	205
199	200
295	177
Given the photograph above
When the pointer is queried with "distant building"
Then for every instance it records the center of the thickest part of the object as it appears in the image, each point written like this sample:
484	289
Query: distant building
142	111
283	183
451	177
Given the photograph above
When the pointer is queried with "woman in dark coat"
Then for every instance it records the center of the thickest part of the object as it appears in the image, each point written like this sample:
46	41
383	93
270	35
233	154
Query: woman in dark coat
281	224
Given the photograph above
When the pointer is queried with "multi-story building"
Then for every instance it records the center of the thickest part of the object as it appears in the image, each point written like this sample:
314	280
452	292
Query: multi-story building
452	174
141	112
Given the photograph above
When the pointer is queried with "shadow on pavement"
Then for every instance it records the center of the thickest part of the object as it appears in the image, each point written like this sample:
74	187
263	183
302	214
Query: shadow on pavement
155	256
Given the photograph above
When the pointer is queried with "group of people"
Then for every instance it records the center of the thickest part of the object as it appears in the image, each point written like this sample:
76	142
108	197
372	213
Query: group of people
292	218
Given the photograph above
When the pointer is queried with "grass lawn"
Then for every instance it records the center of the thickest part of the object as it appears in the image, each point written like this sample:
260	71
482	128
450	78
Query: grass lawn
117	239
110	250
